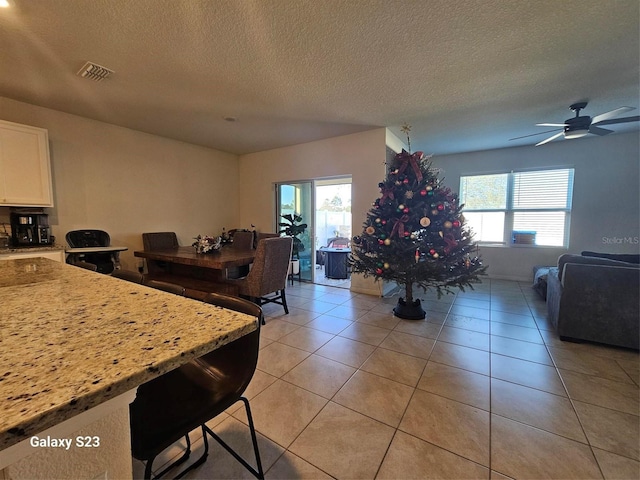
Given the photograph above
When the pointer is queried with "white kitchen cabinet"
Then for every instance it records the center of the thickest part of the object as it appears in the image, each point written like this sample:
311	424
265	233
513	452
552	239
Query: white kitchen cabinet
25	169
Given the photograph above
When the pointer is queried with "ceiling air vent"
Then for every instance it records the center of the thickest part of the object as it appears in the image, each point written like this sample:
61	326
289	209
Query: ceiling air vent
94	72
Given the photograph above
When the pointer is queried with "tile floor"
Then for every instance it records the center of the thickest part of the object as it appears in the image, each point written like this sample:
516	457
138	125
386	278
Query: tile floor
482	389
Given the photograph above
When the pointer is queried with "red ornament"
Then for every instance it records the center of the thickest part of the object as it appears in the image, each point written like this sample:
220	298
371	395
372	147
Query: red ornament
423	192
432	251
406	234
379	271
440	207
383	222
456	223
406	210
405	181
380	242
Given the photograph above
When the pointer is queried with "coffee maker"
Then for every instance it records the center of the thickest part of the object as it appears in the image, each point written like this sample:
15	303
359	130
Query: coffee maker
29	227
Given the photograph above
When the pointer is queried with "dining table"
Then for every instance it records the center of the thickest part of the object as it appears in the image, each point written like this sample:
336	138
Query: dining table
197	272
219	260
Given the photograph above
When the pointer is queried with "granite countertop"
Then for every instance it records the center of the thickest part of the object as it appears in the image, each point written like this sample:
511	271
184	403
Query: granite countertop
39	248
71	339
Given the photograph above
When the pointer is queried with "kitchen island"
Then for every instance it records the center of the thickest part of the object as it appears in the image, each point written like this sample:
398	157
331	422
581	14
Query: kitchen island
73	341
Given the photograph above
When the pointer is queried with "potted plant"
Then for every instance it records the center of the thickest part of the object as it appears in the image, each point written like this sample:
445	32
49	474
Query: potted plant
292	227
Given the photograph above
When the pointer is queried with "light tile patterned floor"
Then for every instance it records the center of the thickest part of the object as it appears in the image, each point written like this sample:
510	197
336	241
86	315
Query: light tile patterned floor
482	388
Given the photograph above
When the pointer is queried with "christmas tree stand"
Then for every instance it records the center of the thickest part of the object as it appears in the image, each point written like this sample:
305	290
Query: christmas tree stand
411	311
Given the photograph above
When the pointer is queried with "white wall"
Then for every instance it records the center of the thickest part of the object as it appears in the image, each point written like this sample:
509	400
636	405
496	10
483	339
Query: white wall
128	182
360	155
606	202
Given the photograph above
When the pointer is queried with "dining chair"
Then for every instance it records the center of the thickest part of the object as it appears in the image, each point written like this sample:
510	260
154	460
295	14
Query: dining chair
158	241
86	265
165	286
243	240
167	408
263	235
267	279
104	262
128	275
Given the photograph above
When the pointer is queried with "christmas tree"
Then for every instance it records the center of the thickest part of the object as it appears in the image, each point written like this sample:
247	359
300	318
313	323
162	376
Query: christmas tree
415	234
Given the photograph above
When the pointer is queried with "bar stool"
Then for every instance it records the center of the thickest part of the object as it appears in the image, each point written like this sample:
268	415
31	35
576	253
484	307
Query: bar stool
167	408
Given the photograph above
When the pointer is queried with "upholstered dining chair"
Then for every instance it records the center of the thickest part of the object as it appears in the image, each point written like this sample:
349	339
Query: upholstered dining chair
167	408
158	241
263	235
267	279
243	240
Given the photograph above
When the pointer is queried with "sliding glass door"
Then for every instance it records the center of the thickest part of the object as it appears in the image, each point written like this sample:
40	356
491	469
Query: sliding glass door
296	198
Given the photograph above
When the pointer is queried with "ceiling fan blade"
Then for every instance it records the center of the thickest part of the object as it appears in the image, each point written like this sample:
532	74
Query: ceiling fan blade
551	124
611	114
550	138
534	134
599	131
618	120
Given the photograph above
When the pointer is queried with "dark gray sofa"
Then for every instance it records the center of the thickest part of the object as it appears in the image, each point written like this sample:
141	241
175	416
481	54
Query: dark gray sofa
596	299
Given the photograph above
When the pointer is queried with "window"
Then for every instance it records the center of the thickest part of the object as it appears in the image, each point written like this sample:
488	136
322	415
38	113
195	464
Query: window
530	207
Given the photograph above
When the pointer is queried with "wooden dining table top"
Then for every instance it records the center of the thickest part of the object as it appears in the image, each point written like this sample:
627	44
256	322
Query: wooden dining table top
226	257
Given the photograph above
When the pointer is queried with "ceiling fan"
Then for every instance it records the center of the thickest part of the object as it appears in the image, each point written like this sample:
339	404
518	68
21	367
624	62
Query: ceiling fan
579	126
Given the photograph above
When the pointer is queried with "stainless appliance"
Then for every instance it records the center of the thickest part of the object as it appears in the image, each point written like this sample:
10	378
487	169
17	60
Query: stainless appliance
30	227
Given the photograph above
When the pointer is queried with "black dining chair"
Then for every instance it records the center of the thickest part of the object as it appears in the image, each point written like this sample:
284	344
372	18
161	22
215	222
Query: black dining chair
167	408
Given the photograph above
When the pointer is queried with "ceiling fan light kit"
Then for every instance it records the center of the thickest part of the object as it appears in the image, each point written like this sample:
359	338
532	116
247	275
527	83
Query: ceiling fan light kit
571	134
580	126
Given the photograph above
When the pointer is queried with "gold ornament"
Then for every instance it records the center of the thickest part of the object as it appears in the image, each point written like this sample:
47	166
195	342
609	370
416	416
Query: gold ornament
408	194
370	230
386	265
387	241
425	222
434	212
447	224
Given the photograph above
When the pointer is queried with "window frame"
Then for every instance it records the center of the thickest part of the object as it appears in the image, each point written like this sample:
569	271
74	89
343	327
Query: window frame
509	210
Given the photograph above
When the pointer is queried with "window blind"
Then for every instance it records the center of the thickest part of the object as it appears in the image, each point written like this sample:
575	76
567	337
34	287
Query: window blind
543	189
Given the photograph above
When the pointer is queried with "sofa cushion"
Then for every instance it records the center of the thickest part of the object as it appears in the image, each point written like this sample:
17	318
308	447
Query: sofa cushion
621	257
571	258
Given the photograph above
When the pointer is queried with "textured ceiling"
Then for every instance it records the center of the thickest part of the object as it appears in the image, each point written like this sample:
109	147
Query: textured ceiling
467	75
